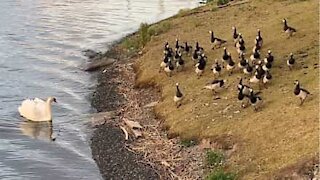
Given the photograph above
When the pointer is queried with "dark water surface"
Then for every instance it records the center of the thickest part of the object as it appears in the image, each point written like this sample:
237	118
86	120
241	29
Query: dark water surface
40	55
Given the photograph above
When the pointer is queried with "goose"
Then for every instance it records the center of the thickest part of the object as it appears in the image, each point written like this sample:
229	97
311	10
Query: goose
245	88
256	78
291	61
215	85
164	63
269	57
169	68
216	41
259	38
255	100
200	66
177	55
178	96
37	109
241	97
195	56
180	63
187	49
226	55
169	52
300	92
287	29
255	56
198	48
177	46
267	66
260	69
256	45
243	62
266	78
216	68
235	34
248	69
230	65
240	41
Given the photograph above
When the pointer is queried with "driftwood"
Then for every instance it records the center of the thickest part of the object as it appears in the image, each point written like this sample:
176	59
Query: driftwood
99	63
135	127
101	118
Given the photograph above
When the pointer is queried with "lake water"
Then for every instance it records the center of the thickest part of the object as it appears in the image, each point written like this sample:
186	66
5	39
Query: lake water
40	55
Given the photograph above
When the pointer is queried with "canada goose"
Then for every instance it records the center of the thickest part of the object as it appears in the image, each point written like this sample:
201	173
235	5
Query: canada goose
198	48
177	46
290	61
248	69
226	55
37	109
169	68
255	100
300	92
287	29
243	62
180	63
256	79
240	41
216	68
235	34
267	66
245	88
242	96
255	56
166	46
230	65
260	69
187	49
195	56
256	45
200	66
266	78
216	41
164	63
178	96
169	52
259	38
215	85
269	57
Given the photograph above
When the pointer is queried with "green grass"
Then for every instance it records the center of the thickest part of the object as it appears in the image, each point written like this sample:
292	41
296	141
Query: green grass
221	175
214	158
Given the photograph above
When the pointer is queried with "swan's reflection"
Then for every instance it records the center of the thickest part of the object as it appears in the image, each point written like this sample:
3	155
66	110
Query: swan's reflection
37	130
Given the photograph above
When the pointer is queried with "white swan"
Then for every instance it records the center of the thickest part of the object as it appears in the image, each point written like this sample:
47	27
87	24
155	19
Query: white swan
37	109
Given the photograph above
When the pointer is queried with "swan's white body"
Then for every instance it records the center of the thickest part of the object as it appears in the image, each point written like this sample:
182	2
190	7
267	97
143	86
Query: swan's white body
36	109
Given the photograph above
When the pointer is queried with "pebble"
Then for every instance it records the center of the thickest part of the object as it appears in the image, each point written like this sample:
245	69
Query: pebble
236	112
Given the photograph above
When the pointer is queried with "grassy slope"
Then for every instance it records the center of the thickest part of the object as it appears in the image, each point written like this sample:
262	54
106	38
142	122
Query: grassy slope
280	134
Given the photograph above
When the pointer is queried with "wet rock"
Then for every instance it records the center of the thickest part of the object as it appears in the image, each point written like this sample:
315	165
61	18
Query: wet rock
93	66
91	53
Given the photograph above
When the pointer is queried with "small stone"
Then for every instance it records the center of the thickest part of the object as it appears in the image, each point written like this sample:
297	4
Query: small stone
213	120
215	104
230	117
206	104
236	112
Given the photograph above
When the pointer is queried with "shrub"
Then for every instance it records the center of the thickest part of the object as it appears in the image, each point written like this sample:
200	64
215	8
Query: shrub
158	29
143	33
221	175
214	158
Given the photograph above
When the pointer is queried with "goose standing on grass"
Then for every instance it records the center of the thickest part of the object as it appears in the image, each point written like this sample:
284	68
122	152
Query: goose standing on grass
267	66
178	96
226	55
259	39
169	68
255	57
266	79
200	66
291	61
240	45
164	63
256	79
37	109
242	96
216	68
287	29
198	48
180	63
177	46
215	85
216	41
230	66
248	69
177	55
235	35
243	61
187	49
255	100
195	57
245	88
301	93
256	45
269	57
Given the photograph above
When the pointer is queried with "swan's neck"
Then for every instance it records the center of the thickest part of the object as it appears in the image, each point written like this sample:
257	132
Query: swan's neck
48	108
